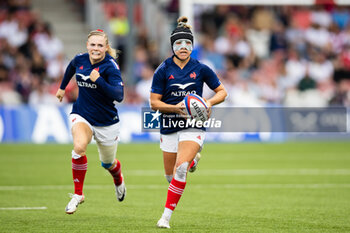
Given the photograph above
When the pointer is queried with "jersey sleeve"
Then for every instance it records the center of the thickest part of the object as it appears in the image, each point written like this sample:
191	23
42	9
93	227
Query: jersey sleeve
210	78
158	82
68	74
113	86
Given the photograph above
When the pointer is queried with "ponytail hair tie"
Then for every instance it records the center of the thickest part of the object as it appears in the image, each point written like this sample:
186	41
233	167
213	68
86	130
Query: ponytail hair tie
99	30
181	24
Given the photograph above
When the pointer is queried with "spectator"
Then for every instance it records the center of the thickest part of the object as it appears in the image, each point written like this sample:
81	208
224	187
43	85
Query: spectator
48	45
295	68
143	87
320	69
40	94
341	16
278	39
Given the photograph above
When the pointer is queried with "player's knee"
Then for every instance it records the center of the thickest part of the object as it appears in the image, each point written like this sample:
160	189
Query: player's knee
80	150
181	172
106	165
168	177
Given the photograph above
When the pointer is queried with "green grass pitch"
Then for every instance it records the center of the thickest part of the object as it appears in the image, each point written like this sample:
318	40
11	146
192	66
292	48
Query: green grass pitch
251	187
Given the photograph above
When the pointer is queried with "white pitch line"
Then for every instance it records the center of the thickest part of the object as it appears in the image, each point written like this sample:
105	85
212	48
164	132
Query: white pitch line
249	186
24	208
194	186
251	172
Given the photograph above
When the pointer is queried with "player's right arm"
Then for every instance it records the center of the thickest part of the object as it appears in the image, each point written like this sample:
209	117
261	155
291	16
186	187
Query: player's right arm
157	104
157	90
68	74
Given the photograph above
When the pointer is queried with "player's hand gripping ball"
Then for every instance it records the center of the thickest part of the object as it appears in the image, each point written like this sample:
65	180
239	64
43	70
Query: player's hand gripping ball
195	107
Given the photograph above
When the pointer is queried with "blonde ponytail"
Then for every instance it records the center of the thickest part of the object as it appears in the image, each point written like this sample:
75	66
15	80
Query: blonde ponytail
113	52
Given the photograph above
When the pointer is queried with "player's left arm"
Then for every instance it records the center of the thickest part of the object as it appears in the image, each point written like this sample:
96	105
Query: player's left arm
212	80
219	97
114	88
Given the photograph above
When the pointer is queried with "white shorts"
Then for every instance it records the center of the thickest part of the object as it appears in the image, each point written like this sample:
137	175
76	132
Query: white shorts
169	142
105	135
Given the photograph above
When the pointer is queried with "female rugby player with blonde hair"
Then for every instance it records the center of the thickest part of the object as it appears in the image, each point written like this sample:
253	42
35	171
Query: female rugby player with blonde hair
94	113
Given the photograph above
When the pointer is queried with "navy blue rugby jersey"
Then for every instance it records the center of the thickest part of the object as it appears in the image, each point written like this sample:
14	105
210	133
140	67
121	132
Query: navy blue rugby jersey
96	100
174	83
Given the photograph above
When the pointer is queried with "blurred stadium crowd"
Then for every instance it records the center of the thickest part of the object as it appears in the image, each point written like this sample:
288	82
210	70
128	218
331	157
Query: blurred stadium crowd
31	56
265	55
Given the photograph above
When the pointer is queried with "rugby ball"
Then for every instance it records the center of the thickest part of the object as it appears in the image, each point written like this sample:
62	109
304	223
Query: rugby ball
195	107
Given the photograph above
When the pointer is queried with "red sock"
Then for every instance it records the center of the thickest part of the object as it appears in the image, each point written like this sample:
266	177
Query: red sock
175	191
192	164
79	167
115	171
